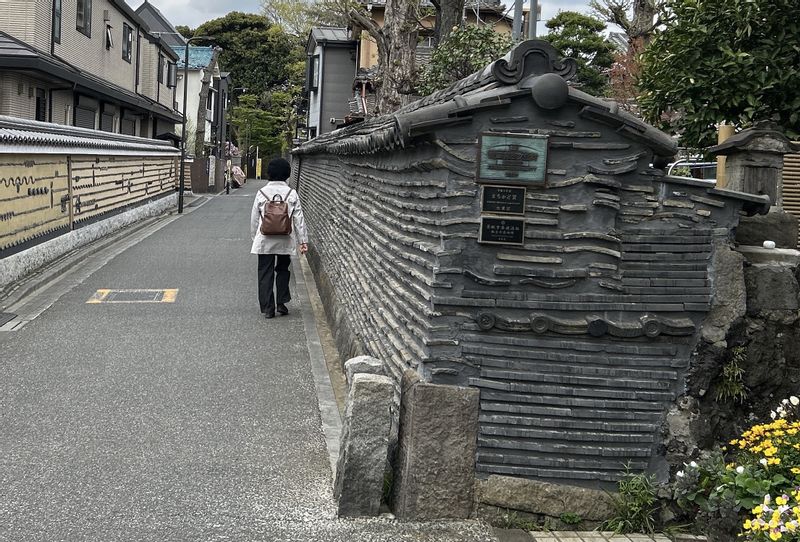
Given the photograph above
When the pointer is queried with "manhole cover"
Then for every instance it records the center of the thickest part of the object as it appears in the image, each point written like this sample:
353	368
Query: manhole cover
6	317
134	296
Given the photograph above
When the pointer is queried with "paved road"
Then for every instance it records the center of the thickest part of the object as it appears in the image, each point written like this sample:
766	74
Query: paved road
192	420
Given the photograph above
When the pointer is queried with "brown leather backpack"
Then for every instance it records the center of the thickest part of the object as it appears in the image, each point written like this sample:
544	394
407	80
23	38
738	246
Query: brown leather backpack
275	218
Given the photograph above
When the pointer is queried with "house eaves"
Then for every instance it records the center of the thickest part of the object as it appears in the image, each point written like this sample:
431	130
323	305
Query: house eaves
16	55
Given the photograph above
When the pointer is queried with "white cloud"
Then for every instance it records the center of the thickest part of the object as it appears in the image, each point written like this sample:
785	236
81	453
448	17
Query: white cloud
193	13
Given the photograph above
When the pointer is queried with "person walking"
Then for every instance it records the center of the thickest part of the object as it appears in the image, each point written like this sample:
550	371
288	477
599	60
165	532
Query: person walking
275	251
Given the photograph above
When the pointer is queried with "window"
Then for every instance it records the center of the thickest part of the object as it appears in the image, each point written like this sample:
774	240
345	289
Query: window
160	68
56	21
83	21
109	37
210	101
313	72
127	42
107	122
172	75
41	105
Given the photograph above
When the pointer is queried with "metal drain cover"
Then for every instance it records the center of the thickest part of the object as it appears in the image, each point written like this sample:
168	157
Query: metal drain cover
134	296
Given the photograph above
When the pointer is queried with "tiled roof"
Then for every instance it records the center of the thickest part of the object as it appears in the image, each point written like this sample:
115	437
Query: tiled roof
199	57
45	137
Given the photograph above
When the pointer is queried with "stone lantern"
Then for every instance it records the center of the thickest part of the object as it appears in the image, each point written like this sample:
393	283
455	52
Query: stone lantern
754	164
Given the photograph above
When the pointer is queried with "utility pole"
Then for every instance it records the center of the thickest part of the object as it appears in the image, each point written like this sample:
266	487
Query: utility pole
516	29
533	18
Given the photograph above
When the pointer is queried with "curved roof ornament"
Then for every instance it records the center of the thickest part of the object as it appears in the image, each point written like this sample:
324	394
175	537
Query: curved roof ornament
532	57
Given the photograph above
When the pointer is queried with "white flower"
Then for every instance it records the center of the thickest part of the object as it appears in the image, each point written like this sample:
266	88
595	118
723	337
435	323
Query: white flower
772	415
794	400
763	461
740	469
785	402
693	465
679	474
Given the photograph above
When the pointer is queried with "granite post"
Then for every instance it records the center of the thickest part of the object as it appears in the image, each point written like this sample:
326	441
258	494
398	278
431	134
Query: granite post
363	453
435	468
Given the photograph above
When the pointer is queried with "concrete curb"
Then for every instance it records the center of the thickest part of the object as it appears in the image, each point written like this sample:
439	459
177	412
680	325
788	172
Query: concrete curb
329	409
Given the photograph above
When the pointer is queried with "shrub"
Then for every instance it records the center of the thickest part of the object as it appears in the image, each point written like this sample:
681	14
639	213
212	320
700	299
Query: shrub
635	505
756	493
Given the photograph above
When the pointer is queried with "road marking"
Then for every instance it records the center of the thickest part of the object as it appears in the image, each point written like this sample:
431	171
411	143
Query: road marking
138	295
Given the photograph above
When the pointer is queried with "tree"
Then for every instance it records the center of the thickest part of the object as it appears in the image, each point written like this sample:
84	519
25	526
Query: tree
397	44
298	17
184	31
624	77
465	51
580	37
637	18
448	18
257	52
731	61
262	121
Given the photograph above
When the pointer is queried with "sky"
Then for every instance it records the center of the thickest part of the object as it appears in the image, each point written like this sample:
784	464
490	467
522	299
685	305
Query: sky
192	13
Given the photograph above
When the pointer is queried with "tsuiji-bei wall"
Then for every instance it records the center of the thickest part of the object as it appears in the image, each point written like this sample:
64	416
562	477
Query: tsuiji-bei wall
517	235
54	179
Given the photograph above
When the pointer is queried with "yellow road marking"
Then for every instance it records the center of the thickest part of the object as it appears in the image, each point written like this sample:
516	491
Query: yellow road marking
107	295
99	296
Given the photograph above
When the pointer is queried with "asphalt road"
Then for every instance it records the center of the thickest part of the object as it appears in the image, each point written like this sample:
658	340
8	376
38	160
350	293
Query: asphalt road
192	420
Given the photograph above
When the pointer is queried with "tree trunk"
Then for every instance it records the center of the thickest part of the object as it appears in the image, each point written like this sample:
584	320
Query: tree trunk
200	133
398	71
644	14
448	16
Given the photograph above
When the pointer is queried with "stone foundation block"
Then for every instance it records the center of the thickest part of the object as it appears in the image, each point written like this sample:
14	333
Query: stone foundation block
771	287
363	454
544	499
778	226
435	467
362	364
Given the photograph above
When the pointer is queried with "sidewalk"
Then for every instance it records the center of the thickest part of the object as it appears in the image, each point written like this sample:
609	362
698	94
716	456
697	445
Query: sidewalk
137	418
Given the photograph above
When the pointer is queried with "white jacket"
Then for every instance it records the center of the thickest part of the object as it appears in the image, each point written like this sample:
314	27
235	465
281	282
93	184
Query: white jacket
277	244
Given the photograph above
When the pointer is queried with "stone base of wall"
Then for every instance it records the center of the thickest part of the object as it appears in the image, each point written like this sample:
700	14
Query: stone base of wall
754	323
17	266
347	343
499	498
777	226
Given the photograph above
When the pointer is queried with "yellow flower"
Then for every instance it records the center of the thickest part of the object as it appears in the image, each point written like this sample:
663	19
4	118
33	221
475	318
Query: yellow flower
795	470
757	510
775	534
747	525
769	452
774	461
780	501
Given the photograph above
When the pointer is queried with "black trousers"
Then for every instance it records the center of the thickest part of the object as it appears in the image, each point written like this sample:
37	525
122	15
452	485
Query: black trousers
272	274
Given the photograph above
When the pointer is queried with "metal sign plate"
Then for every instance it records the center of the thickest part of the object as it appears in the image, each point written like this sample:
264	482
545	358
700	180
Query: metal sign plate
513	158
503	200
498	230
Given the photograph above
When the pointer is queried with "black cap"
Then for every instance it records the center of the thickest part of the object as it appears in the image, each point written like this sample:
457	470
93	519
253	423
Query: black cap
278	170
